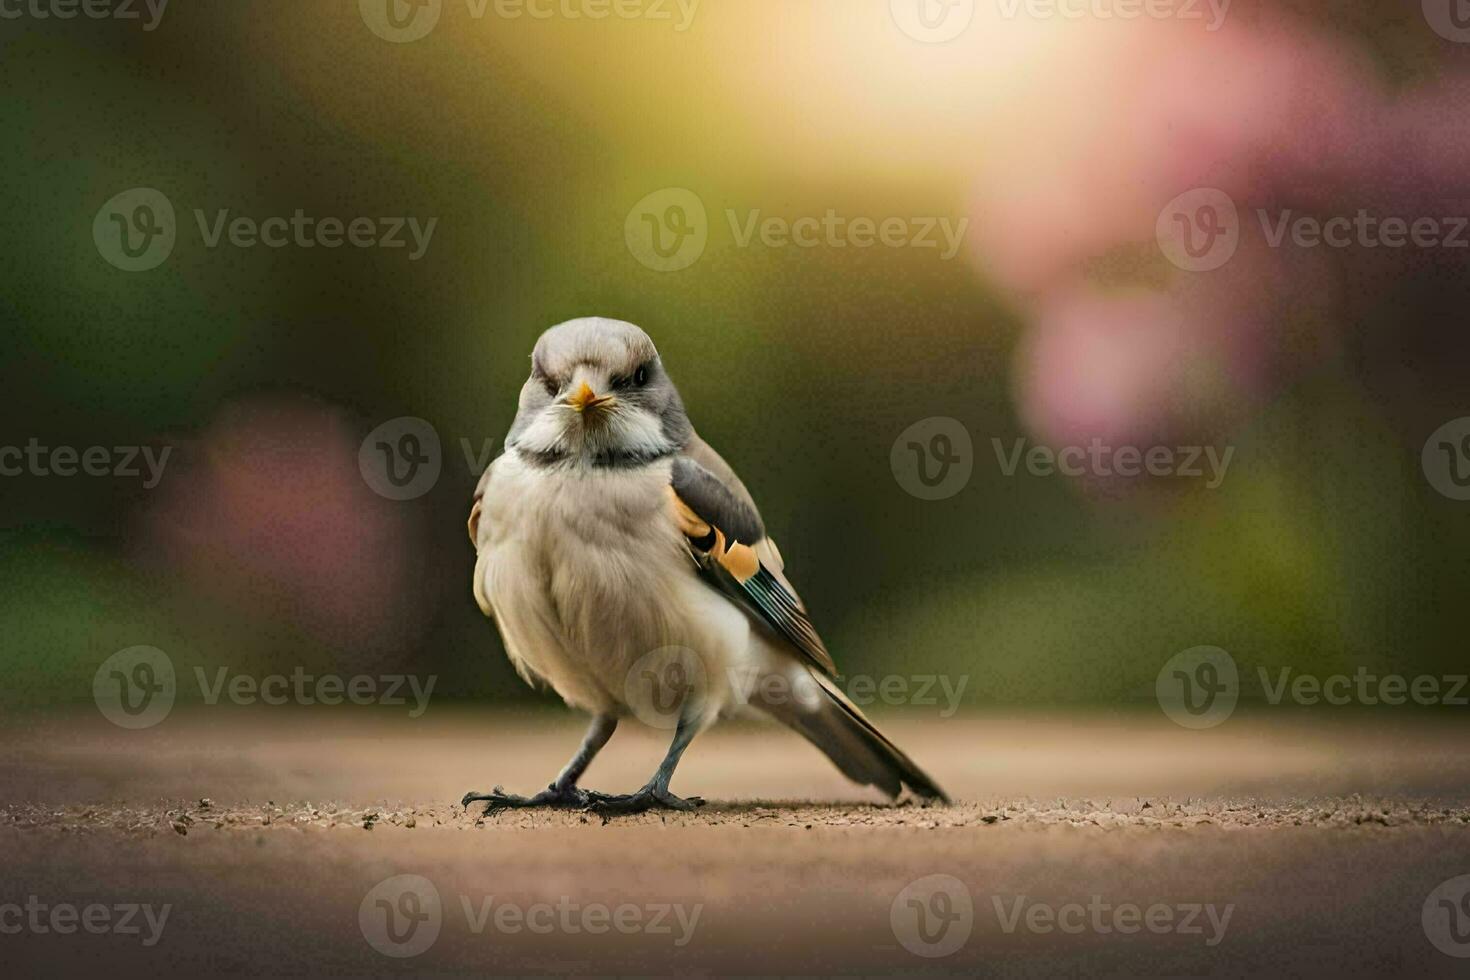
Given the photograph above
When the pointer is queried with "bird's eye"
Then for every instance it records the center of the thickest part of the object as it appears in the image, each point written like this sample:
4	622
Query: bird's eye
640	376
550	384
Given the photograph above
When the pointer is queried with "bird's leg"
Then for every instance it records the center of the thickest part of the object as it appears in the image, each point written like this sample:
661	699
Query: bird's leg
563	793
655	795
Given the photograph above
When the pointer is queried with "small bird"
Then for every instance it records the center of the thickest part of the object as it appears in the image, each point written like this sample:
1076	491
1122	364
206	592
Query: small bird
627	567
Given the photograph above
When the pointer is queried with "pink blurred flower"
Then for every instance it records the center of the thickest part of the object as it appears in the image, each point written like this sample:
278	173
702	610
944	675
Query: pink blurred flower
1260	112
1279	117
1141	366
267	512
1422	144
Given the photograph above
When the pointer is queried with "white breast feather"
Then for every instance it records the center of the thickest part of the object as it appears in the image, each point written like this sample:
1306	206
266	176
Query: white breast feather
586	573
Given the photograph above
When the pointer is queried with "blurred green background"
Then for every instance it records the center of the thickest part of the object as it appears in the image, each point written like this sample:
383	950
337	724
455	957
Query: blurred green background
530	140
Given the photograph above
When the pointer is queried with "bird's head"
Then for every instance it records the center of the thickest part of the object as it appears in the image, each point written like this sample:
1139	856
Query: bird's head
598	394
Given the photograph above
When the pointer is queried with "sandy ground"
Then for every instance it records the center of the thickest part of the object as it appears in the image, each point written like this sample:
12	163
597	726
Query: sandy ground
1081	843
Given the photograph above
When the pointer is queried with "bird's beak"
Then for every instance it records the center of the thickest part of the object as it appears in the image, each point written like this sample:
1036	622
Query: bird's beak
585	398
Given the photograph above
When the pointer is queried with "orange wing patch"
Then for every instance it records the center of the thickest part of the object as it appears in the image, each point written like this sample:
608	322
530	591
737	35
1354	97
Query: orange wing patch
738	559
689	522
737	568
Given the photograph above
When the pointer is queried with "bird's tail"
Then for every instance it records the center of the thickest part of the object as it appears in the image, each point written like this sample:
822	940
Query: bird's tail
835	725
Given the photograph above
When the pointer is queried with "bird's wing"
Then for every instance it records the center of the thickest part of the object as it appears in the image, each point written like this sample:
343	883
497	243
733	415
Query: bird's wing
728	542
482	553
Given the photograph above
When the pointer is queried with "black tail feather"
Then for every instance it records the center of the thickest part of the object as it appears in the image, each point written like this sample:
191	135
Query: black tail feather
863	754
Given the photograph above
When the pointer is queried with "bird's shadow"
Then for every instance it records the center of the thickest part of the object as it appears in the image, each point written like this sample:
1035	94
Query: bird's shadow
766	809
737	807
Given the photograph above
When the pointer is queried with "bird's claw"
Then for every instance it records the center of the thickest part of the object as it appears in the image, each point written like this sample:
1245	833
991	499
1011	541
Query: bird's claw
552	797
641	802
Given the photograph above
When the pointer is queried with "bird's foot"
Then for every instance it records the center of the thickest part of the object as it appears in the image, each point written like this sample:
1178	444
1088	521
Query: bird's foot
647	798
552	797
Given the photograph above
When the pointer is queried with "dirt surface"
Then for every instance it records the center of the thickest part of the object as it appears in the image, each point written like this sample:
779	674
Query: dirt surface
1079	842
